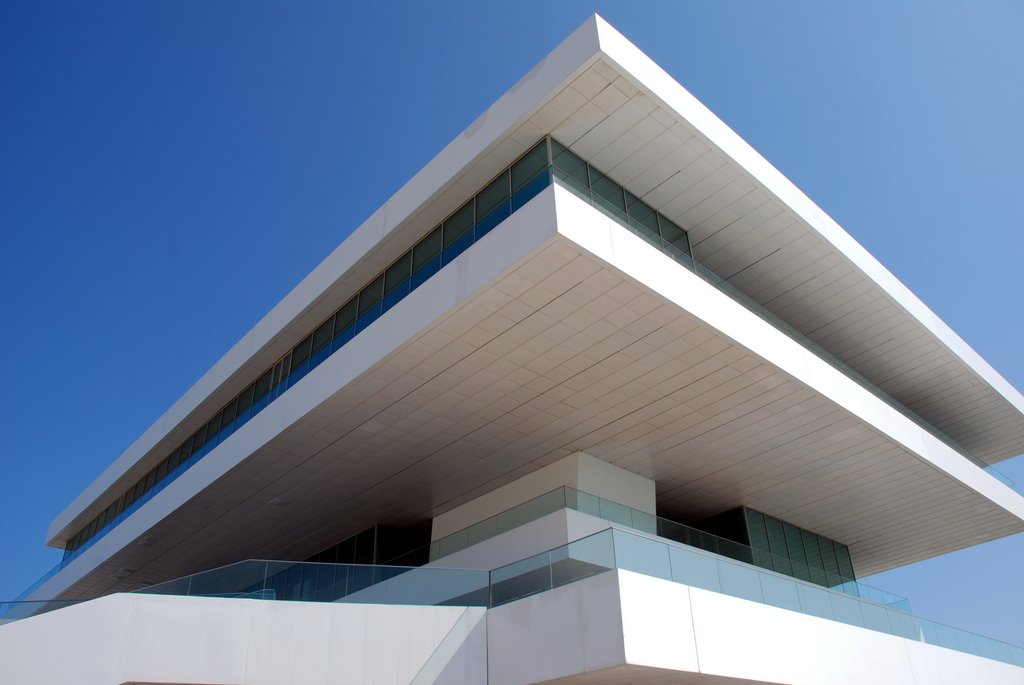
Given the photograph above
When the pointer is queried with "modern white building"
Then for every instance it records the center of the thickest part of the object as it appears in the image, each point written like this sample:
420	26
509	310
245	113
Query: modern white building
598	396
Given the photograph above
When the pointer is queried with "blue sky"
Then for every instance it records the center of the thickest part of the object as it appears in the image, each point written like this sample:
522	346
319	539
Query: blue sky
168	171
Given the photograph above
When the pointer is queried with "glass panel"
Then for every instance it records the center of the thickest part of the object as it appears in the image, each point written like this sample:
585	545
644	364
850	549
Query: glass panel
795	545
607	190
493	195
569	164
514	517
673	235
648	523
426	249
903	625
875	617
780	592
323	334
199	437
244	402
815	602
213	427
616	513
398	273
484	530
845	563
640	215
777	543
740	581
300	353
529	165
521	579
846	609
643	555
582	502
263	385
828	557
230	411
345	316
693	568
458	223
371	295
813	553
547	503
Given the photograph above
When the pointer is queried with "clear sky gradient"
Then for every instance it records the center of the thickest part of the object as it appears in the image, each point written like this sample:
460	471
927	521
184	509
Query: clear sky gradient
170	170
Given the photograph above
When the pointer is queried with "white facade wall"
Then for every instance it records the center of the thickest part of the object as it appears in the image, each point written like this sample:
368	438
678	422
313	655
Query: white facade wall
127	638
579	471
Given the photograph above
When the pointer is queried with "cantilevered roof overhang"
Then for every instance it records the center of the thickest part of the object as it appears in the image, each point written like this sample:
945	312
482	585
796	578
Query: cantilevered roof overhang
560	331
601	96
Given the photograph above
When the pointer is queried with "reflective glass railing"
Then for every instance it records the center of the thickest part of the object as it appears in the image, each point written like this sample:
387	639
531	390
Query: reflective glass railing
619	549
570	498
348	583
17	610
599	201
612	548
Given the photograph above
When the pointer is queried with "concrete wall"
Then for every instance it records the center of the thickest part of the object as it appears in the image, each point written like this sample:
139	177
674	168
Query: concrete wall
580	471
619	626
547	532
161	639
631	628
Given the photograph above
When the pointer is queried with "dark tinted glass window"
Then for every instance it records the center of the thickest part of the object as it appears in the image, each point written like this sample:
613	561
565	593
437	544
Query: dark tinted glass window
300	353
230	411
570	165
776	537
426	249
213	427
371	294
173	460
756	528
322	335
458	223
673	235
845	563
529	165
245	398
795	544
828	555
640	214
496	192
398	273
608	190
346	316
199	439
263	385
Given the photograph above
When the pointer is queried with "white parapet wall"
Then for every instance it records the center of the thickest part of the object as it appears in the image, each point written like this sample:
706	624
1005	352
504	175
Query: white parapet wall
131	638
625	627
579	471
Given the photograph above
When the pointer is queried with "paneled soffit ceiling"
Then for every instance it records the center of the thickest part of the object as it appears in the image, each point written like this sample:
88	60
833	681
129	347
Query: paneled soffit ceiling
753	228
562	353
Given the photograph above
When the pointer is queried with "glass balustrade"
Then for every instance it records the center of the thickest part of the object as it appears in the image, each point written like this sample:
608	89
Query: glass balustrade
569	498
607	550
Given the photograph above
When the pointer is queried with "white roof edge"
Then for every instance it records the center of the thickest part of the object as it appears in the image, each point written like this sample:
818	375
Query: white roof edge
515	106
617	49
